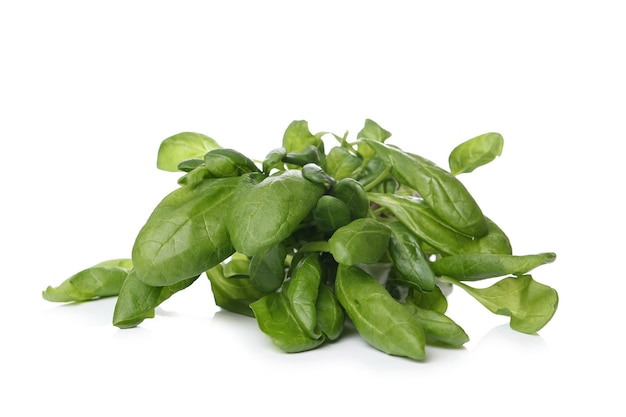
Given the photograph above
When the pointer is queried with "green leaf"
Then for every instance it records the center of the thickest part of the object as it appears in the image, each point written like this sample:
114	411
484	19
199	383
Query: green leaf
267	269
424	223
186	233
529	304
341	163
183	146
431	300
362	241
409	259
189	165
222	163
477	266
441	190
438	328
137	300
330	213
273	160
234	294
266	212
102	280
372	130
302	291
276	319
381	320
475	153
237	265
317	175
330	314
298	137
352	193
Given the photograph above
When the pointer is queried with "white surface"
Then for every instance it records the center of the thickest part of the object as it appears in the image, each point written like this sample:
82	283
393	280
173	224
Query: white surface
88	90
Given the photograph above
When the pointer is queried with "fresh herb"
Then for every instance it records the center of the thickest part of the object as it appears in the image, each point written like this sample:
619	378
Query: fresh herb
292	240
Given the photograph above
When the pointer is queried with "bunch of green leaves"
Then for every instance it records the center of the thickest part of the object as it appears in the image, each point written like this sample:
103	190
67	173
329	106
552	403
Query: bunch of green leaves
307	240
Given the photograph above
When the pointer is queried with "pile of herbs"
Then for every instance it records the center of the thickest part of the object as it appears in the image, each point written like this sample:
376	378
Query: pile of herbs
308	241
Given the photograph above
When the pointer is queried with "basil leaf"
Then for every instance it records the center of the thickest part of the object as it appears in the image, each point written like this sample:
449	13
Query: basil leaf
475	153
183	146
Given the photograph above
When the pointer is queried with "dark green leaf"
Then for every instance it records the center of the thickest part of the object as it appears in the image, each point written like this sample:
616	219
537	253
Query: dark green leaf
222	163
330	213
190	164
317	175
352	193
274	160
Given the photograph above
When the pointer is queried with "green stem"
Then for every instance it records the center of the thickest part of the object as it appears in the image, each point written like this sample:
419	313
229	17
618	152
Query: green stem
378	179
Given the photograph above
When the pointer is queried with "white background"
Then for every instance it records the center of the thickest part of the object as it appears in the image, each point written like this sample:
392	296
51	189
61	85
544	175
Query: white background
89	89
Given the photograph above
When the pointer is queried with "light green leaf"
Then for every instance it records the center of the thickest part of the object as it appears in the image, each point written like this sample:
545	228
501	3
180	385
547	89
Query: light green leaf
183	146
529	304
102	280
475	153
